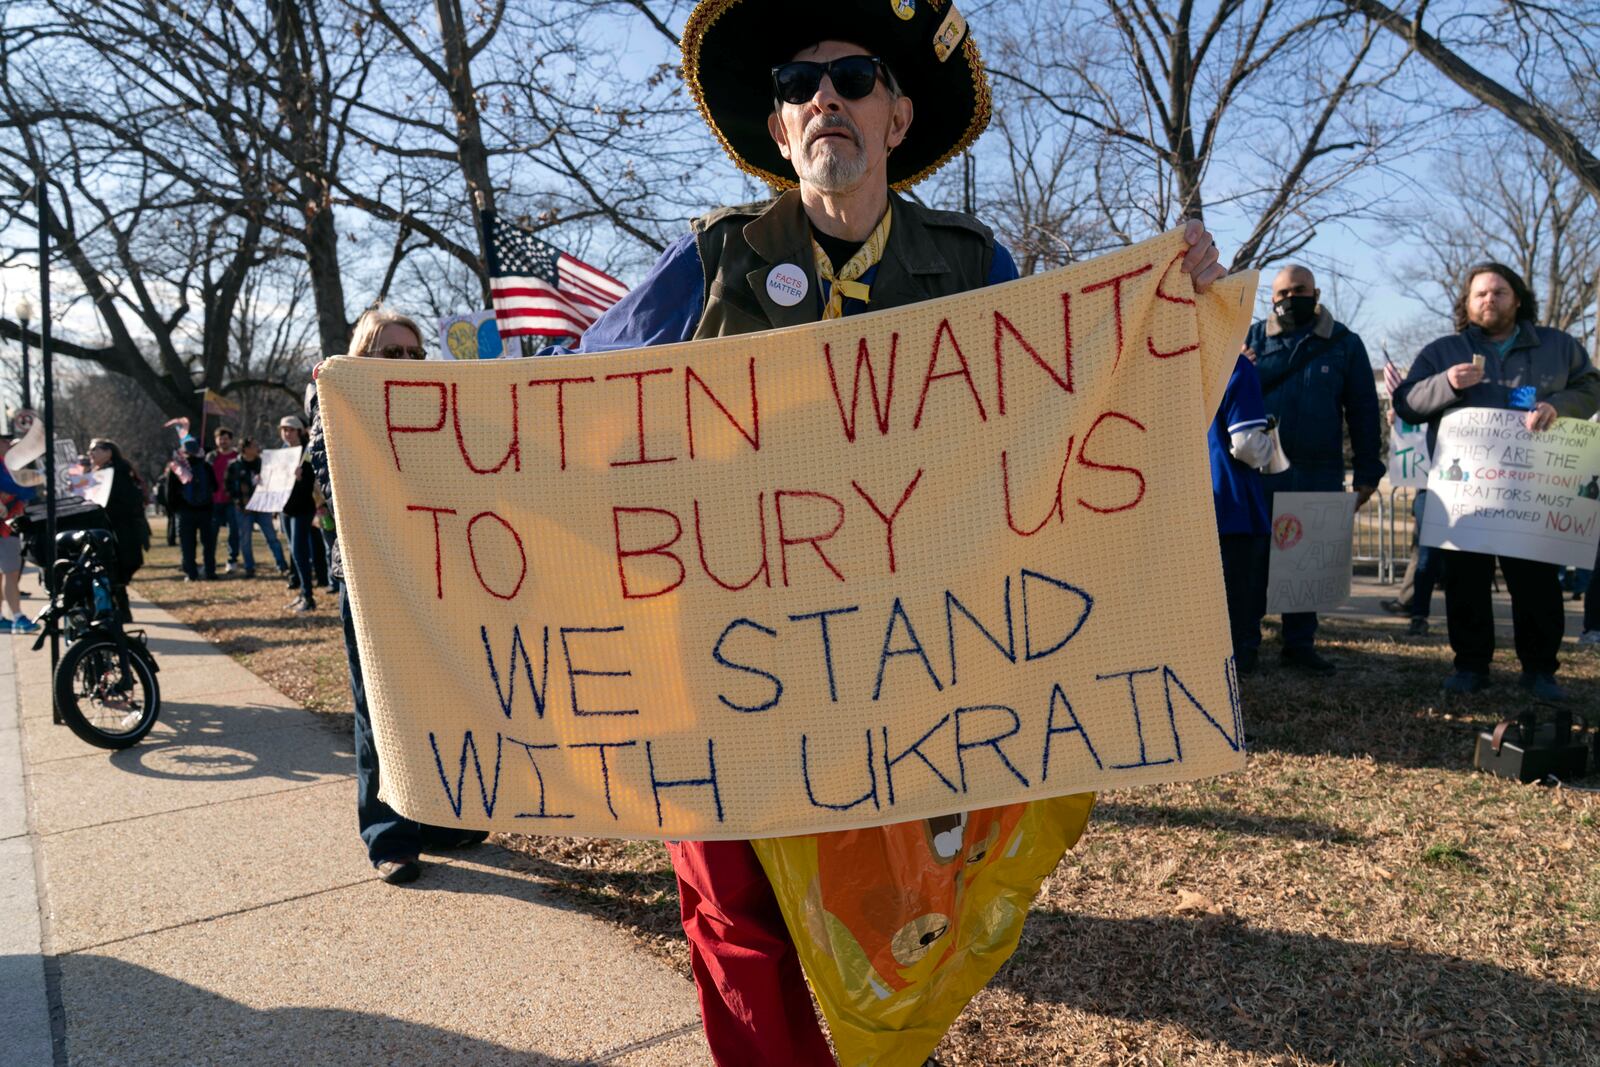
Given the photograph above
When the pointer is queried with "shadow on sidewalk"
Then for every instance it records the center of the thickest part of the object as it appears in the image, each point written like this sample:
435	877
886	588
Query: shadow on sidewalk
143	1016
214	743
1298	995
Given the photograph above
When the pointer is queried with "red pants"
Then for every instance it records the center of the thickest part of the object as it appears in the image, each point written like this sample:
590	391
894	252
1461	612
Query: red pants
753	996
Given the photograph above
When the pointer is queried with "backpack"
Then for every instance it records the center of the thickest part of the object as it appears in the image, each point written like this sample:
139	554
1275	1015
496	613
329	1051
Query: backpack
197	491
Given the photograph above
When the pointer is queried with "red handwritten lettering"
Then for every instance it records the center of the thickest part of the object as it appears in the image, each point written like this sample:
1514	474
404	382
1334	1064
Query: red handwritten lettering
660	549
472	551
638	377
933	360
1056	507
438	552
513	450
1085	461
814	540
864	360
1115	285
561	408
888	520
753	435
393	427
1064	379
764	571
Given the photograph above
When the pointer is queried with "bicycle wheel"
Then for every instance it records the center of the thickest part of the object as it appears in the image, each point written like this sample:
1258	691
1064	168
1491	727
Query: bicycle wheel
107	695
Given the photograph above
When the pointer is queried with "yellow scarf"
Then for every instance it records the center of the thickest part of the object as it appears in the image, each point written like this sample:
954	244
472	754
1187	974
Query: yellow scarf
844	283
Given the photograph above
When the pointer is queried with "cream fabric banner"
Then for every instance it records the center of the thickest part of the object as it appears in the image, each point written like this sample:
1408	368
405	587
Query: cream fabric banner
888	567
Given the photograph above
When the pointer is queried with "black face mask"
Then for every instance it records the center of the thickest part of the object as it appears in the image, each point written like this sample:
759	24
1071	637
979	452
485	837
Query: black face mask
1296	311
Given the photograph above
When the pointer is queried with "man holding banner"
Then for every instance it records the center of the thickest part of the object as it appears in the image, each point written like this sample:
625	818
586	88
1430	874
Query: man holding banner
820	103
1499	358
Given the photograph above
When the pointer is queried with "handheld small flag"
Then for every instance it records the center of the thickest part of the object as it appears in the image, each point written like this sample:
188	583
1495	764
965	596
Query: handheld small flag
1391	375
223	407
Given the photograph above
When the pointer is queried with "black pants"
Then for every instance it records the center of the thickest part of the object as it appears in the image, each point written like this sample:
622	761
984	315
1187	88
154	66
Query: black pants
193	523
1241	579
1538	616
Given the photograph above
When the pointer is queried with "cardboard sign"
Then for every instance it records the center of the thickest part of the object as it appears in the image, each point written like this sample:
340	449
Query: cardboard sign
1309	561
1408	455
278	466
1500	488
856	572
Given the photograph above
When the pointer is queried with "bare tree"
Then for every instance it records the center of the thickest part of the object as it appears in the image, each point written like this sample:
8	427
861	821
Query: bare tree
1551	45
1520	205
1285	93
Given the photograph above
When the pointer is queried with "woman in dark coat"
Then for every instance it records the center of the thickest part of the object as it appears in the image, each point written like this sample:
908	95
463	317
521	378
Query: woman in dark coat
125	510
125	506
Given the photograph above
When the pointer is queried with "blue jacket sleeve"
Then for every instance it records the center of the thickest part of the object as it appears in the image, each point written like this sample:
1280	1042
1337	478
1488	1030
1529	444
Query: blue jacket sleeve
663	309
1361	416
1003	268
9	486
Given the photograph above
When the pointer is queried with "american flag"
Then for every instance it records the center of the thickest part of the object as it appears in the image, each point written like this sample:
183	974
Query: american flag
1391	374
538	289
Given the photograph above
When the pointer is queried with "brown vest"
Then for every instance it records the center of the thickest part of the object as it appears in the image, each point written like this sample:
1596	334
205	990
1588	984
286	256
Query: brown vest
930	254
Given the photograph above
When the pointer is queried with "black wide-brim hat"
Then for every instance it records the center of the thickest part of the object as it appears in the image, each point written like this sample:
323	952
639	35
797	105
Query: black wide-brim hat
731	46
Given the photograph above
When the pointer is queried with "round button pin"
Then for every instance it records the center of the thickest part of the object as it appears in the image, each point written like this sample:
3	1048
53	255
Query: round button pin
787	285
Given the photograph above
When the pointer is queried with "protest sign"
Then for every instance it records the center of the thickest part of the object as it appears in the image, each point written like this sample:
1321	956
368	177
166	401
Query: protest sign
1499	487
97	486
1408	455
471	336
848	573
278	466
1308	566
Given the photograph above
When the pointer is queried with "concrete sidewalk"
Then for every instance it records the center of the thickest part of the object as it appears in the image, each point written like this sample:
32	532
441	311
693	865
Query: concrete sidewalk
203	898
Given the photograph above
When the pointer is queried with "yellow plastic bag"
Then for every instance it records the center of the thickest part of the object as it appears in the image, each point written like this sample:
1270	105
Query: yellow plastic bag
899	926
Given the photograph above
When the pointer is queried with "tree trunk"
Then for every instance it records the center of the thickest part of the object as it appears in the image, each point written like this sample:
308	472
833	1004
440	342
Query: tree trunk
470	150
298	96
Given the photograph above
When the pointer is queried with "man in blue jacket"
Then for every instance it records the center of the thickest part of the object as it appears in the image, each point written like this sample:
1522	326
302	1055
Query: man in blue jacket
1498	358
1316	380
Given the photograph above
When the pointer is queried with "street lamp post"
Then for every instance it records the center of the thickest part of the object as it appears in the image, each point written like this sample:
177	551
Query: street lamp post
24	310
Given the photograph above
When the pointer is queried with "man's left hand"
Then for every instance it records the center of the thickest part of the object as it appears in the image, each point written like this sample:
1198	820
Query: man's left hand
1364	494
1540	417
1200	263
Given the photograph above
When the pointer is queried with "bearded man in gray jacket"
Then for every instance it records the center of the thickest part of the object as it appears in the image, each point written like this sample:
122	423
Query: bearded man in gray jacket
1498	358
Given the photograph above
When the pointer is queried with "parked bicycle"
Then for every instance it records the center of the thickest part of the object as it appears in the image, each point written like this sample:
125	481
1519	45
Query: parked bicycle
105	684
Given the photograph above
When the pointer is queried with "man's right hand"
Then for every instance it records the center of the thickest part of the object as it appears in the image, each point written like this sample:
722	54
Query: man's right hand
1463	376
1247	352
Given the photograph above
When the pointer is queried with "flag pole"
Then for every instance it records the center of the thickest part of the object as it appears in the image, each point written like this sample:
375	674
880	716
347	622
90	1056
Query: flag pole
45	359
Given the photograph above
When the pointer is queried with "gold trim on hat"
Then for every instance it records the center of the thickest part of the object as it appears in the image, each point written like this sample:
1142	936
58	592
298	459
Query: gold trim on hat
705	15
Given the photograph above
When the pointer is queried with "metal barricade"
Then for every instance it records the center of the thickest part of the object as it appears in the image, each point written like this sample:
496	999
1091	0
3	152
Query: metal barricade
1368	540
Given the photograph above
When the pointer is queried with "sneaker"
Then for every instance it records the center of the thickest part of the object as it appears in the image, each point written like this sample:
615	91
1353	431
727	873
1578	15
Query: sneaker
225	568
5	626
1307	661
300	607
249	574
1418	627
1589	637
23	625
399	872
1542	686
1395	607
1467	682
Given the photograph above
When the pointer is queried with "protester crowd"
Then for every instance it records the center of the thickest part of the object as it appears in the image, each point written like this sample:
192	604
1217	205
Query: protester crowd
1309	377
208	497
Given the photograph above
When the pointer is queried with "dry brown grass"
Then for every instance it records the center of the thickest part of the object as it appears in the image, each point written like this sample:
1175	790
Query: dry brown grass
1359	895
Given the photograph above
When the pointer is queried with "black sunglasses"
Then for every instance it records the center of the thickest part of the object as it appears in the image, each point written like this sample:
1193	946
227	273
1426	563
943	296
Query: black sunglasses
853	77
